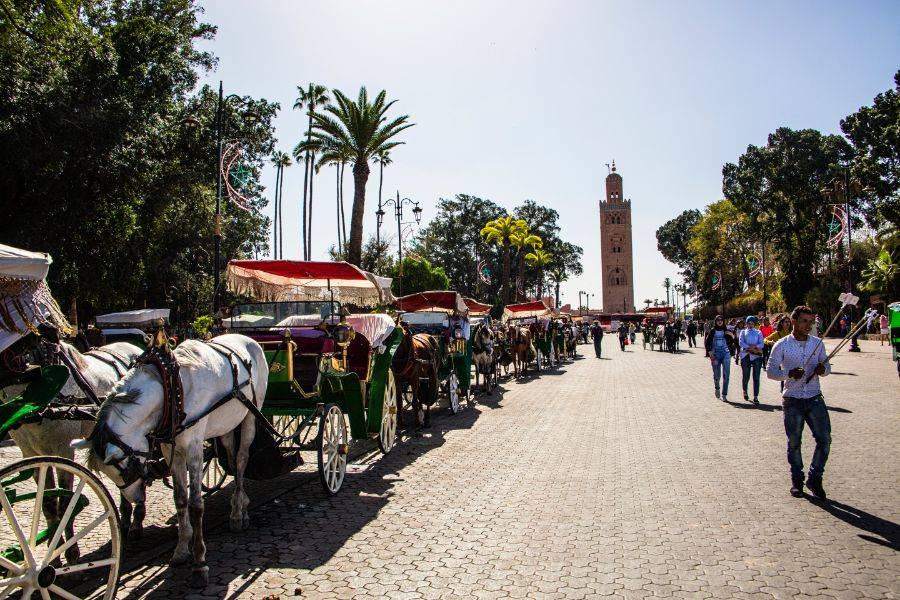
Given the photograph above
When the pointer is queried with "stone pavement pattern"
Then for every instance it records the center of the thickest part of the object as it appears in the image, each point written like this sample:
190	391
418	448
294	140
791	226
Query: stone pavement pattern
622	477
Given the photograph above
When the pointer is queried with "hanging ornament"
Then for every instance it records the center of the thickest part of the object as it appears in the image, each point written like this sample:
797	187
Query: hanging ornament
716	280
837	227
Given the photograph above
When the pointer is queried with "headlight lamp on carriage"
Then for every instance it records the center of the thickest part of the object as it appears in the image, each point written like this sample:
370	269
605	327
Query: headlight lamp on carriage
457	333
343	334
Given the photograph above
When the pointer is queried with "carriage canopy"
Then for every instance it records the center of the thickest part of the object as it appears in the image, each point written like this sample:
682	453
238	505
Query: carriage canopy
309	281
434	301
524	310
476	308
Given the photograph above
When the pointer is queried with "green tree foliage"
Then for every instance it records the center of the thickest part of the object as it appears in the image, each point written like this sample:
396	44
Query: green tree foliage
719	242
783	180
544	222
418	276
99	167
874	132
672	241
451	239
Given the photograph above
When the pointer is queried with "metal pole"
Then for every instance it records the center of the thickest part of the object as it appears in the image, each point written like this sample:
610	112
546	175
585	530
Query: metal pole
218	222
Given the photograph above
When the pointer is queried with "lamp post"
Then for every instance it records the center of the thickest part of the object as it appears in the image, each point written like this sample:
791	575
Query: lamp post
398	213
250	117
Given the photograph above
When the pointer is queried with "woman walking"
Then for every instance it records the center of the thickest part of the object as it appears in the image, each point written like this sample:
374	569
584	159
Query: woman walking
720	345
751	342
782	329
766	329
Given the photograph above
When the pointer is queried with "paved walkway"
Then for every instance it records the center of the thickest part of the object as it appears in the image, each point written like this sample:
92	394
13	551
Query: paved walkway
622	476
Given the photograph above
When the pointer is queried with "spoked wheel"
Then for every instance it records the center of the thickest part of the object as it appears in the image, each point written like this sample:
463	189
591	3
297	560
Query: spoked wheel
453	392
213	474
87	534
332	449
387	435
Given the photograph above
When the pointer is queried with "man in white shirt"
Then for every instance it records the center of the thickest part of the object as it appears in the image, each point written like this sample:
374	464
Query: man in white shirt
799	360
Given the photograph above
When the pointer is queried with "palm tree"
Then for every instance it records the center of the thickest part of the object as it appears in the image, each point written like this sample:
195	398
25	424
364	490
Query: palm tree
500	231
382	158
312	97
280	160
361	127
667	283
539	258
648	302
557	276
523	240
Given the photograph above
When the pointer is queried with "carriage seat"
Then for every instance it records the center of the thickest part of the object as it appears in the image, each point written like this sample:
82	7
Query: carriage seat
358	357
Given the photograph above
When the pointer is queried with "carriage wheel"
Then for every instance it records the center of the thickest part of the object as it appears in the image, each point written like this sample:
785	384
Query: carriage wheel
332	449
453	392
213	474
32	560
387	435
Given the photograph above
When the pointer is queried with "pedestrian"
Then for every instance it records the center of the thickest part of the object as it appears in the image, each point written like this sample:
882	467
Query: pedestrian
670	336
597	337
632	333
738	327
646	332
799	360
623	335
883	327
766	329
692	334
751	344
720	344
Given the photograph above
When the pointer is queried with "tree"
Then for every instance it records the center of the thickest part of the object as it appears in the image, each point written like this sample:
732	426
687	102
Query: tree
874	132
672	241
648	302
539	259
452	239
416	274
363	127
558	276
382	158
522	241
667	283
783	181
313	96
281	161
718	244
501	231
543	222
102	167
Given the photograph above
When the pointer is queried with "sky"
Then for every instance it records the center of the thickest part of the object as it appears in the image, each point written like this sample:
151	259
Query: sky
530	99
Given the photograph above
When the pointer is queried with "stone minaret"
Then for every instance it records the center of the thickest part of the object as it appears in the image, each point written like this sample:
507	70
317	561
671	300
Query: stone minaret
616	262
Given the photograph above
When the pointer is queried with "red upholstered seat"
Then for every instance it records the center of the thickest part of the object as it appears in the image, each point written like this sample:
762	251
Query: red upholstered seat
358	357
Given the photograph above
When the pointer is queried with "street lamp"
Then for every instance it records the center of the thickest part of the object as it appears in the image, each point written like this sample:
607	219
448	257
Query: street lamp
587	302
250	118
398	204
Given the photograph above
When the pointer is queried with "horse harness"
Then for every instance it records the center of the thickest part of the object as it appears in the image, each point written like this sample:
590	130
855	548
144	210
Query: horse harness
174	422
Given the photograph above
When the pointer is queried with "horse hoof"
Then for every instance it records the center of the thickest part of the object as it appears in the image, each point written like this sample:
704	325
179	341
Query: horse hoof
200	577
180	558
72	554
135	534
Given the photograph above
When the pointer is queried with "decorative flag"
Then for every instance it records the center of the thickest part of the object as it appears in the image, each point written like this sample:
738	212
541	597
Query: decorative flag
837	227
716	280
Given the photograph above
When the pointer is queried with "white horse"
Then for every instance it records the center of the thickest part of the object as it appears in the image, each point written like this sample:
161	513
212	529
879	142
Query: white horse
134	411
101	369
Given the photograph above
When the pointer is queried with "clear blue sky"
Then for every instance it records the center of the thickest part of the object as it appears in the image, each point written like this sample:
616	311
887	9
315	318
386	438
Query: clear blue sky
525	99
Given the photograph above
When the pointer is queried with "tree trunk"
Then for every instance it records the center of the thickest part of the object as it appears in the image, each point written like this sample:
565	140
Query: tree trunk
312	172
281	216
380	182
305	189
274	252
360	176
343	213
520	278
337	204
557	295
506	269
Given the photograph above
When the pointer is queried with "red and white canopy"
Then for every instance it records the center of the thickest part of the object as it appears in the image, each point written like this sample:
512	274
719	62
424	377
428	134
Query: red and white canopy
476	307
443	301
292	280
524	310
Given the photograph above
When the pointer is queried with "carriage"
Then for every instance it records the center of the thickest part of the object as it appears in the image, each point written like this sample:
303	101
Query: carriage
86	529
132	326
538	318
443	315
485	351
327	366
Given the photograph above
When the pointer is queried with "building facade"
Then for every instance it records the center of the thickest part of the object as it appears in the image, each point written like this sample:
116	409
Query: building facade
616	262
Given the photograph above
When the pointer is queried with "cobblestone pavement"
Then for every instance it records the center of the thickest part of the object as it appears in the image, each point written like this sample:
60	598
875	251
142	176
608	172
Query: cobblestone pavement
622	477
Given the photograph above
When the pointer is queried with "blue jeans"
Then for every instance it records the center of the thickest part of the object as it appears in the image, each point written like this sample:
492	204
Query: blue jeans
747	366
721	366
814	413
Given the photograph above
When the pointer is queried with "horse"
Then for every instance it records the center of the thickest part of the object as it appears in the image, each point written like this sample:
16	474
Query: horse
483	356
178	399
660	337
98	369
416	363
521	347
502	352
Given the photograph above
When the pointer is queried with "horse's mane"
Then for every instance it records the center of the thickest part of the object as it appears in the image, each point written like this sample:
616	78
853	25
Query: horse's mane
74	355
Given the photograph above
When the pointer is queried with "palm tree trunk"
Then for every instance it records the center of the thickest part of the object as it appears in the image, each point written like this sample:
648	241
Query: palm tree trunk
312	171
305	188
275	215
281	215
520	279
557	295
360	177
343	214
506	269
380	182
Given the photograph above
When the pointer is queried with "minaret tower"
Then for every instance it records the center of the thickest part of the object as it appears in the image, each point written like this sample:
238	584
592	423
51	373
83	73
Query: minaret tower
616	263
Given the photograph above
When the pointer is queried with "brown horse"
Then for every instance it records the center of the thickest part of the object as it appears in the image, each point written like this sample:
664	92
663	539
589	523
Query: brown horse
520	345
416	363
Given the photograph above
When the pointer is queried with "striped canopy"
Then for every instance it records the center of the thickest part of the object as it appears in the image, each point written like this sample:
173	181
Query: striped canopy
293	280
524	310
439	300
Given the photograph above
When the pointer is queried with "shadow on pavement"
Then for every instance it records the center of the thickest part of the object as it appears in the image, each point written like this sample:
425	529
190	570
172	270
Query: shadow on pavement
778	408
888	530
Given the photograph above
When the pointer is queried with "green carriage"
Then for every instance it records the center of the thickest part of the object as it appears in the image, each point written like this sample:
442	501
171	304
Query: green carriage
444	316
538	317
327	367
31	546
